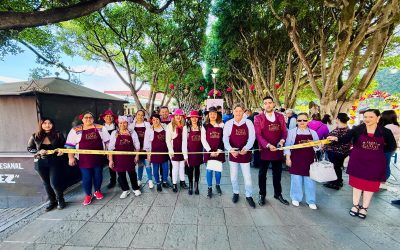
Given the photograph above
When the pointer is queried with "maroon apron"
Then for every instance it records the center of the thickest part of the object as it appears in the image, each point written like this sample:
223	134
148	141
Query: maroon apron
177	145
367	159
194	145
140	131
214	139
90	140
159	145
238	139
124	163
302	158
272	132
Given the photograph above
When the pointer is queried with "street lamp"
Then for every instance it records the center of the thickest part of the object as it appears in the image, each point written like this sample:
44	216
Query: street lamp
214	77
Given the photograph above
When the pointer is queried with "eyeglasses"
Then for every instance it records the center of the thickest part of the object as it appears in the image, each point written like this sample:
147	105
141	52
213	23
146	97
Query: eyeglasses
302	120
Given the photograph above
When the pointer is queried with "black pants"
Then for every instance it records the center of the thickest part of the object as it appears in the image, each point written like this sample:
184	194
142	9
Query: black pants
196	170
337	160
123	182
276	177
113	175
50	171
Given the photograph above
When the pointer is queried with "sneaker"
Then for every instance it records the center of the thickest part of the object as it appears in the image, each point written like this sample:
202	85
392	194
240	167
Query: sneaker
151	185
98	195
139	183
137	192
295	203
312	206
87	200
383	186
124	194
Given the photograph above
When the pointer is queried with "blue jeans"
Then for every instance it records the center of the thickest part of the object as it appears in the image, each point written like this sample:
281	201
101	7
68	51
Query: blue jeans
141	165
388	156
296	188
209	176
91	176
156	171
234	167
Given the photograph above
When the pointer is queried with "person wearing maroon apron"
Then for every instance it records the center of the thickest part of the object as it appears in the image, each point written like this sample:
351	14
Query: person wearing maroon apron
109	119
140	126
367	163
239	137
154	141
94	137
175	136
299	161
212	140
124	140
271	132
193	144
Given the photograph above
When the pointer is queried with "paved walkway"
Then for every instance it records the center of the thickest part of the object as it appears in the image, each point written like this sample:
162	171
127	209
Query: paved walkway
179	221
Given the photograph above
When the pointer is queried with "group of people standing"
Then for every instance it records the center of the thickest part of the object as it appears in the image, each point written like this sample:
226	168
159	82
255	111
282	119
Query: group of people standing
177	145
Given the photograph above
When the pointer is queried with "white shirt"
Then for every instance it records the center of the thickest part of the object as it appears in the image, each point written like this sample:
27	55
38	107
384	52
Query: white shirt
134	125
171	134
149	137
206	146
75	135
113	140
109	126
270	118
228	131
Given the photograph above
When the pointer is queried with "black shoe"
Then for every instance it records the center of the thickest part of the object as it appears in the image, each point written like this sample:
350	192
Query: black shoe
261	200
219	191
251	202
159	189
196	188
174	188
61	203
190	188
51	206
281	199
396	202
111	184
333	185
165	185
183	185
235	198
209	192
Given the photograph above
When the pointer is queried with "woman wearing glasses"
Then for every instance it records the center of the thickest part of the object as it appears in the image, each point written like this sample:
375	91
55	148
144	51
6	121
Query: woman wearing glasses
299	161
89	136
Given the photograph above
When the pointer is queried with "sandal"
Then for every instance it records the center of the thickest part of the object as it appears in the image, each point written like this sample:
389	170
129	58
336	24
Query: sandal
353	213
361	215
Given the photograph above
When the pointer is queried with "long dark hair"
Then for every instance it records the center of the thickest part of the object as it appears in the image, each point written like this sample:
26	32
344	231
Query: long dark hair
388	117
326	119
41	134
189	123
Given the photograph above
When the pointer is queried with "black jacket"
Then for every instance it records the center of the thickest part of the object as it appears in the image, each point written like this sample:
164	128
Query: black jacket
34	145
354	133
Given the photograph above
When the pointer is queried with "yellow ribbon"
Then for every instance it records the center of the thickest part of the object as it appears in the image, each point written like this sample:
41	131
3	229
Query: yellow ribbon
105	152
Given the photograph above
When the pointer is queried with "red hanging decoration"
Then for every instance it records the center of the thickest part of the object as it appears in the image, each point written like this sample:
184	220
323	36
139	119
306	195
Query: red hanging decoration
229	89
252	87
171	86
277	85
201	88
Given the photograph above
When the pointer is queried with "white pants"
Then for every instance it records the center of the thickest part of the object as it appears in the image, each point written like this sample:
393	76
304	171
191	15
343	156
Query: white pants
178	166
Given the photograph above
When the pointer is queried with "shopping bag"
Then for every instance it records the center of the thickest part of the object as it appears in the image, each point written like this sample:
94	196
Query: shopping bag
214	165
322	171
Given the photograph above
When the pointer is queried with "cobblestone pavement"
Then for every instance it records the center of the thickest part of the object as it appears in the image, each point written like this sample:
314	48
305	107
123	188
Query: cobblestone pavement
178	221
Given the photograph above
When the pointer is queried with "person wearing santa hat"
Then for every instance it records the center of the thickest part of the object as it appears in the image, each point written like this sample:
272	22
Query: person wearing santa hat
239	137
109	119
124	140
94	137
140	126
175	136
154	141
193	144
211	138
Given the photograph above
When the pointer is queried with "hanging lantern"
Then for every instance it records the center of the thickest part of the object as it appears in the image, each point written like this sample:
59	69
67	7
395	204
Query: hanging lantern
277	85
171	86
229	89
240	91
252	87
201	88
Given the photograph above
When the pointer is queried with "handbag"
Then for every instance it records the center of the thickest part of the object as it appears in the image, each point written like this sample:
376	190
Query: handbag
322	170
